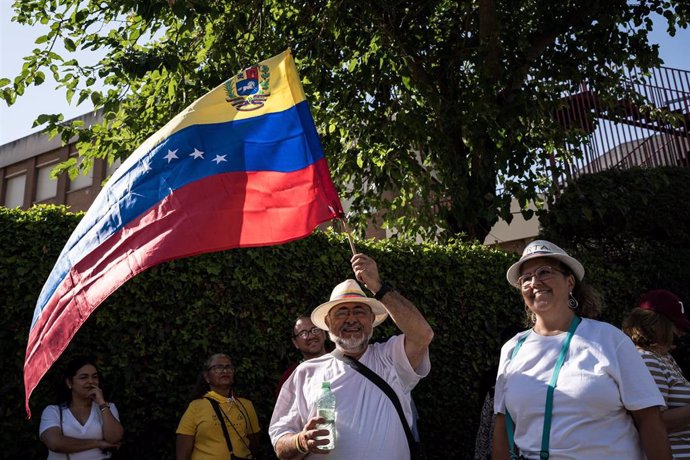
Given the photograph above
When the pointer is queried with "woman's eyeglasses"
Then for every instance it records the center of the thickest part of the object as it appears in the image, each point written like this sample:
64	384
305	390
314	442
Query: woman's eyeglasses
218	368
307	332
544	273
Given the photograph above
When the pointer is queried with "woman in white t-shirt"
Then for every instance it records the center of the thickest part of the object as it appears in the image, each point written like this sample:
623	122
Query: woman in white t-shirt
85	426
652	327
571	388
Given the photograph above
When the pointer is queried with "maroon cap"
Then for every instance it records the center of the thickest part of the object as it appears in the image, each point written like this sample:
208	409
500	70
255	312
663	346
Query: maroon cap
668	304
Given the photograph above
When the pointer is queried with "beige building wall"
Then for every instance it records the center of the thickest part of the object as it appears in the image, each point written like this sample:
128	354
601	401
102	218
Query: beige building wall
25	169
516	235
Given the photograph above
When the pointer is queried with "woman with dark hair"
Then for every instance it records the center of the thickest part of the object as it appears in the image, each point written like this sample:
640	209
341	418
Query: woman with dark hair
571	387
217	425
652	326
84	426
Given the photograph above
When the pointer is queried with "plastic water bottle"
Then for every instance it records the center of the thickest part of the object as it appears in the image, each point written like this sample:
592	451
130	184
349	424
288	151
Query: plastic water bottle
325	407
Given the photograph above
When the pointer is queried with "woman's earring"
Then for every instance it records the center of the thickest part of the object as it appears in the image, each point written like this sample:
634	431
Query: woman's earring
572	301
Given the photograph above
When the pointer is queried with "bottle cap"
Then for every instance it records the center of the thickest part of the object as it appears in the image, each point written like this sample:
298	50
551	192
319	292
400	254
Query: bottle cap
326	385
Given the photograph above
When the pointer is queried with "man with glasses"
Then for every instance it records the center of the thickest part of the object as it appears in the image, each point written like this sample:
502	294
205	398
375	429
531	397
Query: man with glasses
309	340
367	424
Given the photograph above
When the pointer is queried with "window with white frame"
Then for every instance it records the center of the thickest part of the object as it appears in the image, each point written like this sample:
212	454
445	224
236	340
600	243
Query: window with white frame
46	187
14	190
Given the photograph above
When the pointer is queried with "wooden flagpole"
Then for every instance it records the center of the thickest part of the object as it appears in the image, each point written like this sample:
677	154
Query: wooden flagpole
348	234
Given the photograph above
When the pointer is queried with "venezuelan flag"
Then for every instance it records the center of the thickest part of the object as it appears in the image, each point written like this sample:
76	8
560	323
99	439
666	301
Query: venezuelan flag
240	167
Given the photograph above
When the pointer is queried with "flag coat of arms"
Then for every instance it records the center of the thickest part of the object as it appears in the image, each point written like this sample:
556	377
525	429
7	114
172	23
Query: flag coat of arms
240	167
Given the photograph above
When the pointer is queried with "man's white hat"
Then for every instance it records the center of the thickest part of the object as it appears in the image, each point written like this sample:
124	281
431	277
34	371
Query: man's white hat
348	291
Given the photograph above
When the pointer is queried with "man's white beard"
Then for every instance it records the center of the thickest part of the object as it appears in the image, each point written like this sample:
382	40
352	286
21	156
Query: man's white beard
352	344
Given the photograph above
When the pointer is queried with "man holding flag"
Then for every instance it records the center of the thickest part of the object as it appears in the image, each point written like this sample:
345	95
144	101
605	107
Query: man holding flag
368	423
240	167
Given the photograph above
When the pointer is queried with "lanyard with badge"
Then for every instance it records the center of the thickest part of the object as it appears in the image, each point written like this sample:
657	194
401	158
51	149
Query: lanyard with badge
548	408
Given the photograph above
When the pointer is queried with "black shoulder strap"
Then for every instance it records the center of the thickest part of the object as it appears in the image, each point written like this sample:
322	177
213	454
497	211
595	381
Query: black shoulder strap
61	407
385	387
221	419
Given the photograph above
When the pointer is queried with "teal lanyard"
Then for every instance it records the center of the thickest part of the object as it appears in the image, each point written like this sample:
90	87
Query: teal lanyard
548	407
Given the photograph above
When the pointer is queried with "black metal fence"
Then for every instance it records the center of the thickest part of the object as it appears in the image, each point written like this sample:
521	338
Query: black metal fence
650	128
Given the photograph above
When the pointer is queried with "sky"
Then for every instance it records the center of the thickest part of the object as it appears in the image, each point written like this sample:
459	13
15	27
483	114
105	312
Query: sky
17	41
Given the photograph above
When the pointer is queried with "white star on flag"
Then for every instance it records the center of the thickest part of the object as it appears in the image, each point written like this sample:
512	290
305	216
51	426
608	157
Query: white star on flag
219	158
146	166
171	155
197	154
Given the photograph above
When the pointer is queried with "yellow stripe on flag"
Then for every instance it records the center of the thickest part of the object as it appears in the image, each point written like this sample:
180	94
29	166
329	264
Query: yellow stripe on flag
285	91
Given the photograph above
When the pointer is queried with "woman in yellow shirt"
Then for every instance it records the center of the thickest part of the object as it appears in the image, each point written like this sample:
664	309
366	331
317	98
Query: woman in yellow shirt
217	424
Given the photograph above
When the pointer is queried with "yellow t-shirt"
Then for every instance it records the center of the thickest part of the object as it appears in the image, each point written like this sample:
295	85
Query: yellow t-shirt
200	421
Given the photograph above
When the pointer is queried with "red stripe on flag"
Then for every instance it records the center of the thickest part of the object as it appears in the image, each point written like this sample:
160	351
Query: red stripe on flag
220	212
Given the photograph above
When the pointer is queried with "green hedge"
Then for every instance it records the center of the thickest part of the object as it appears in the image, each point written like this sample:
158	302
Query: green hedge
616	208
153	333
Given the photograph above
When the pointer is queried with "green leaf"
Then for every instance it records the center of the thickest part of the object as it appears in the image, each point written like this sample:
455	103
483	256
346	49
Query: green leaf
352	65
360	161
83	95
172	88
8	96
39	78
41	119
96	98
69	44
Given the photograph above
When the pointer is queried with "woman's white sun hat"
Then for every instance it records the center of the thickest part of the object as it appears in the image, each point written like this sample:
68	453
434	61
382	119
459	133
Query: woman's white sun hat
348	291
543	248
